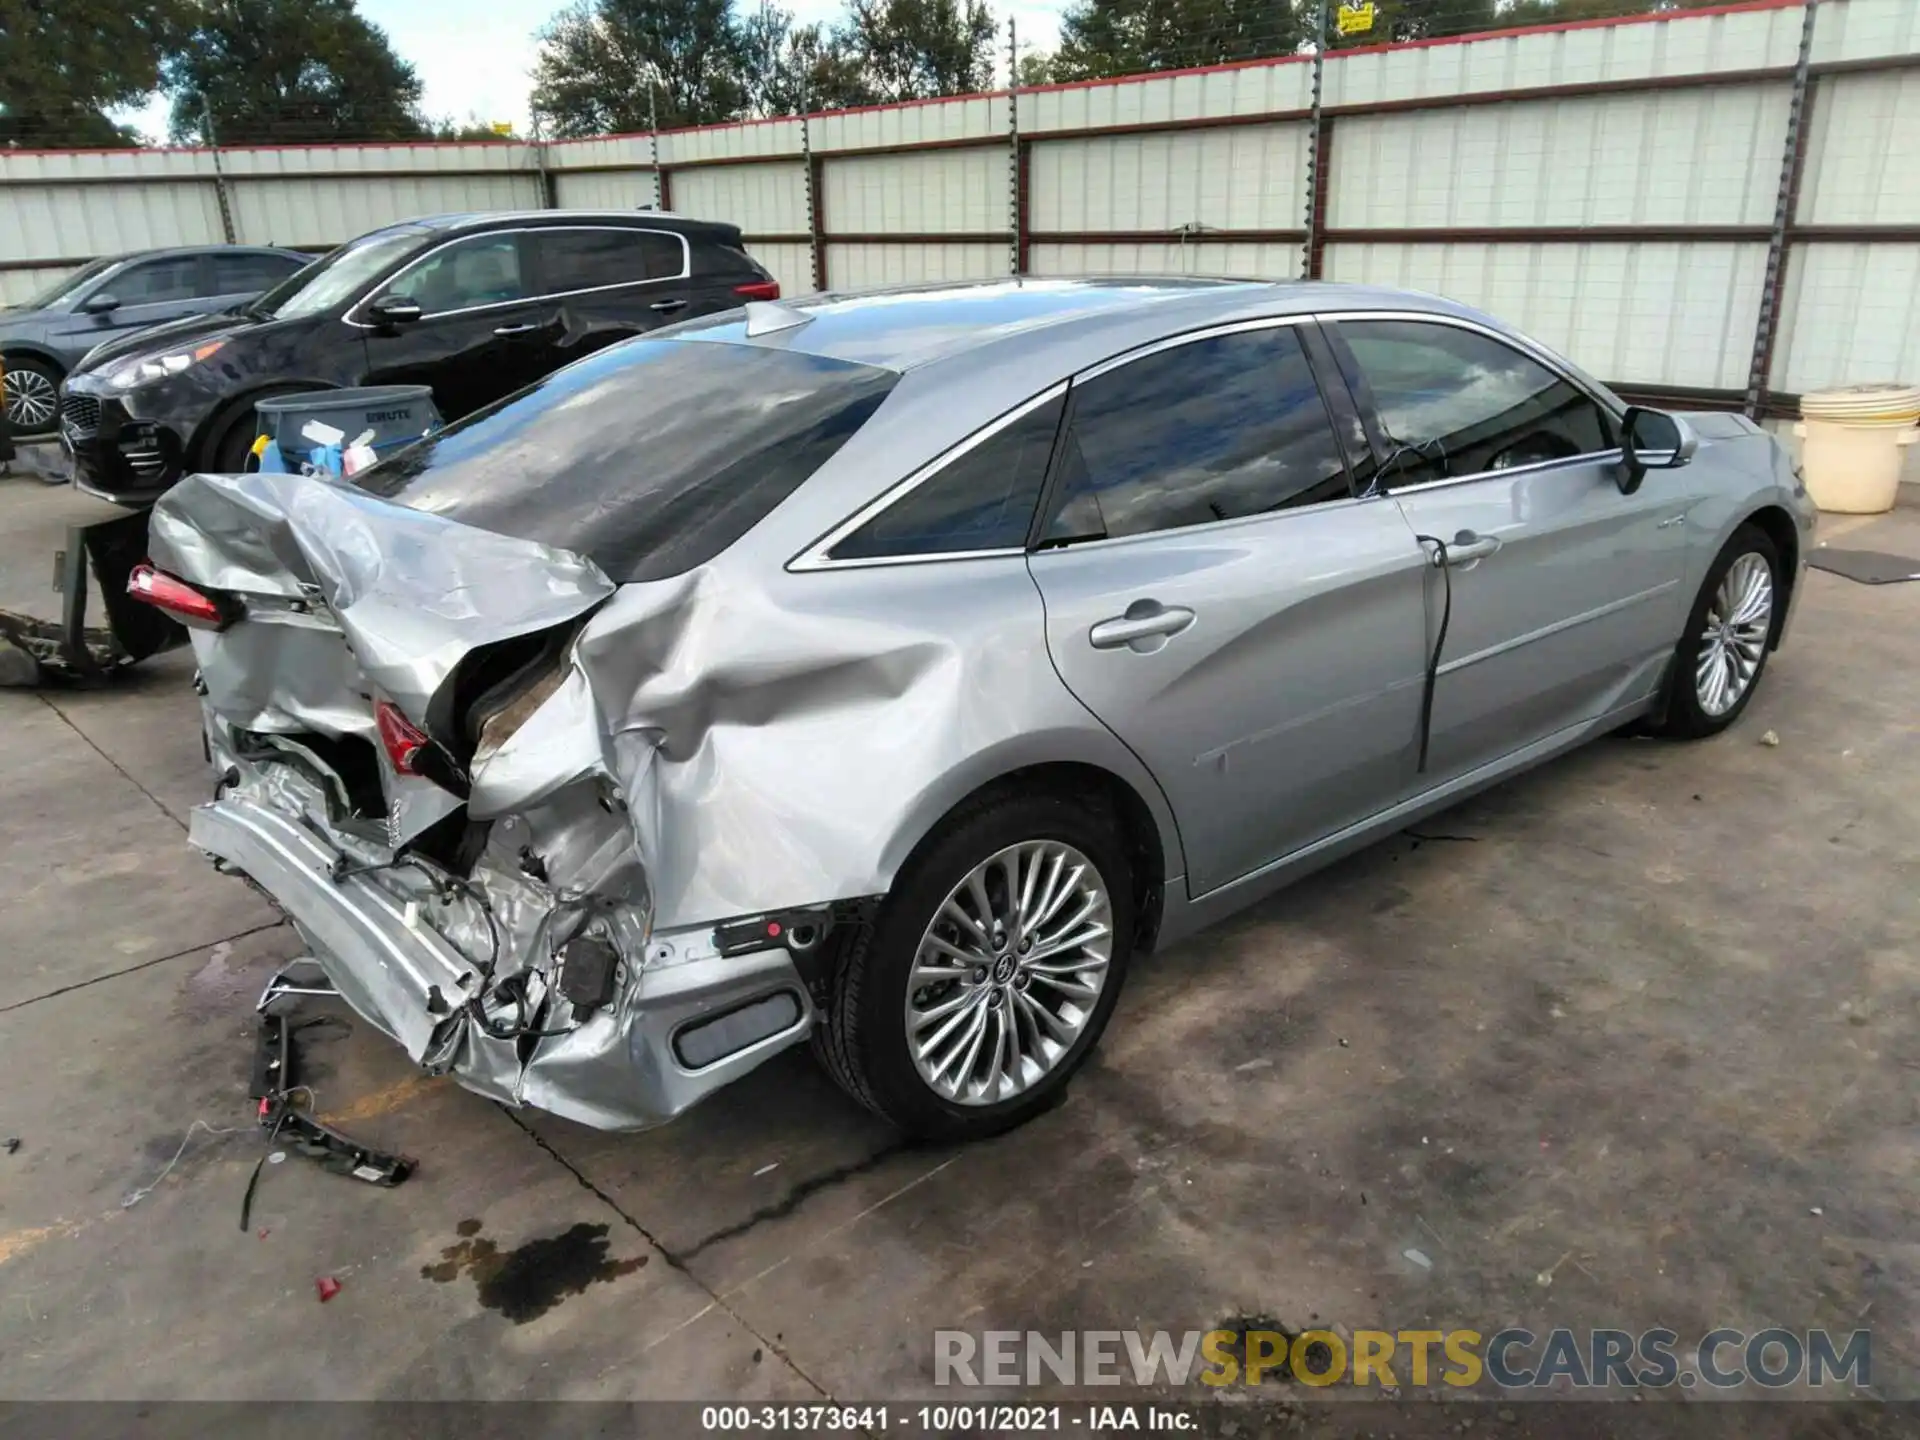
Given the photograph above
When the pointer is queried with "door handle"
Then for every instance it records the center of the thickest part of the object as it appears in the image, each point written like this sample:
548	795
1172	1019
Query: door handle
526	329
667	307
1140	623
1465	548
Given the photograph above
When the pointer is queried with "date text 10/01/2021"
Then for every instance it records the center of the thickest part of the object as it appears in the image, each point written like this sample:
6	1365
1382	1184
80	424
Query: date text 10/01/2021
944	1419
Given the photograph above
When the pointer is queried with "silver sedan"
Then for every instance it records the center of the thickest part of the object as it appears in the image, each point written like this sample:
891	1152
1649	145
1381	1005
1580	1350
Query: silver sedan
889	670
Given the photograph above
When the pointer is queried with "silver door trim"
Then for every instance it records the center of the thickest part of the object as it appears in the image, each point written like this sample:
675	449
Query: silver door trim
1597	613
686	272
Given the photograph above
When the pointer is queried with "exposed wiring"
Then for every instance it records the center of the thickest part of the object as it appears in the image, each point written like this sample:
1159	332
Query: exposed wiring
145	1190
1433	659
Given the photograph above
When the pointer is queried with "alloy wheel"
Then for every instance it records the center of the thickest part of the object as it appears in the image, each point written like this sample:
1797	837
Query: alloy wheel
1735	639
1009	972
30	400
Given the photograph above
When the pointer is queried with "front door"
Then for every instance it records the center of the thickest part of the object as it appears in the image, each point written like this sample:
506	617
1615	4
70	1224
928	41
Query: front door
1218	598
481	335
148	292
1562	596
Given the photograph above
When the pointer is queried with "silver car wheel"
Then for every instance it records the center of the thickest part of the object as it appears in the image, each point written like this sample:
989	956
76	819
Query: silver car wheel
1735	639
30	400
1009	972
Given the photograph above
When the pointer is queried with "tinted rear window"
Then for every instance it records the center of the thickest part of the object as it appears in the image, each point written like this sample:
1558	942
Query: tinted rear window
649	458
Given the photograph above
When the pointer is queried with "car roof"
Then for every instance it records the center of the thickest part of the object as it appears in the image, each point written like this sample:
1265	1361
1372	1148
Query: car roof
655	219
160	252
1083	319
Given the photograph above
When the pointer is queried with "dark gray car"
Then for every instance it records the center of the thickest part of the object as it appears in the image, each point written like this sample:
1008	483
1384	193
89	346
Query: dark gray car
105	299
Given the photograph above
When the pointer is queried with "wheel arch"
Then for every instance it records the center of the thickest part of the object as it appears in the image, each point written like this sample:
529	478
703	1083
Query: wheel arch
206	440
34	350
1146	825
1778	525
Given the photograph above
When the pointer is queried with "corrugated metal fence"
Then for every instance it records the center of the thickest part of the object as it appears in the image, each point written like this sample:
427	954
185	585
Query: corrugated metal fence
1612	187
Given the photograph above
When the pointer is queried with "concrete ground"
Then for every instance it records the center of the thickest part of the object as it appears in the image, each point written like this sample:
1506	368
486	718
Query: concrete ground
1631	1041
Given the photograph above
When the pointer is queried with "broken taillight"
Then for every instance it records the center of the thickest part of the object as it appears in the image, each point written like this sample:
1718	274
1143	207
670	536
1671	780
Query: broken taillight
399	737
758	290
179	599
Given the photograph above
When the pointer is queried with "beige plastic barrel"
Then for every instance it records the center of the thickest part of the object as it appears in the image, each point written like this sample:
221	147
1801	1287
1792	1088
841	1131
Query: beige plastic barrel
1853	443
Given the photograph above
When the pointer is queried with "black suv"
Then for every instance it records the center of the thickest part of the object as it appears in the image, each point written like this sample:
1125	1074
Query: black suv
476	306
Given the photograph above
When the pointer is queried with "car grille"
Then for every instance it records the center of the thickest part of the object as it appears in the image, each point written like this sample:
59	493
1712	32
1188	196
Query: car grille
79	416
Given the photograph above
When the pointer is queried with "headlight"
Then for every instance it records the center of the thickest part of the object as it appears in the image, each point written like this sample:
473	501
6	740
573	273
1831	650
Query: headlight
158	367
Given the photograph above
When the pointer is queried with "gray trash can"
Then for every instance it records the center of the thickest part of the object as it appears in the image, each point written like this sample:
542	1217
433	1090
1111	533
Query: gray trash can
397	414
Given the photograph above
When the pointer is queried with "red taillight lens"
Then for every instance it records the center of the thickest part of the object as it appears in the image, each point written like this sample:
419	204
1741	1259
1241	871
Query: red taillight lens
177	598
758	290
399	737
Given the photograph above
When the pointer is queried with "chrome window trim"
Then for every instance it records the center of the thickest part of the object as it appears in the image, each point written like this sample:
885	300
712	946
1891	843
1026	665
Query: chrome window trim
1519	343
817	556
686	271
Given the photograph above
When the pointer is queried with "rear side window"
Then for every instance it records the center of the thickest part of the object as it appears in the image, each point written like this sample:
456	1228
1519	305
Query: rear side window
250	274
712	257
594	259
1217	429
982	499
152	281
1456	402
649	458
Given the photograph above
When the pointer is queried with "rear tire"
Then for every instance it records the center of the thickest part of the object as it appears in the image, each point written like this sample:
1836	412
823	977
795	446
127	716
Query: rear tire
1037	1005
1723	652
32	397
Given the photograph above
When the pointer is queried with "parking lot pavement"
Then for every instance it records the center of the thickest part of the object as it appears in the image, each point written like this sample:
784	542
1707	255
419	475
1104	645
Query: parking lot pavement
1630	1041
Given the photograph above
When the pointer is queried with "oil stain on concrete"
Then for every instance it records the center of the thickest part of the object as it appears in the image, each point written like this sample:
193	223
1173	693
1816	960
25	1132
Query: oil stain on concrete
526	1282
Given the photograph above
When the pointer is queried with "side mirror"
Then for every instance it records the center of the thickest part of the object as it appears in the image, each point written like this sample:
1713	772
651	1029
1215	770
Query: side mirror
395	310
1652	440
99	303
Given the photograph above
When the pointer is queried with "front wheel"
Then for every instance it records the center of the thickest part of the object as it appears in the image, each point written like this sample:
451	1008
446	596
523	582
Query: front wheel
32	397
990	971
1723	652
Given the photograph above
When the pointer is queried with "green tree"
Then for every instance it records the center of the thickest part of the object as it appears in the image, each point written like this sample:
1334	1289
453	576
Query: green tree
1099	38
599	60
64	63
787	68
289	71
1036	68
919	49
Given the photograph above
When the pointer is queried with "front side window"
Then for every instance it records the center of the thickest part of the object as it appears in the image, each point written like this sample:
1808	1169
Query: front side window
483	270
982	499
593	259
152	282
1455	402
1225	427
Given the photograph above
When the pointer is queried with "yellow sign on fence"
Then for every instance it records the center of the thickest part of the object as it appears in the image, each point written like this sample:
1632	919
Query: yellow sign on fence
1356	19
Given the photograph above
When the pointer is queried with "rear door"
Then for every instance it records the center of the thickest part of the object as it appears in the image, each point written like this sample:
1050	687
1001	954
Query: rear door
1564	594
607	283
236	276
1217	595
484	330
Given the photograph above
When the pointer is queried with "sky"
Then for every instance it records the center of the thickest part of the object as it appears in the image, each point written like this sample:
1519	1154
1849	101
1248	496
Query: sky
475	59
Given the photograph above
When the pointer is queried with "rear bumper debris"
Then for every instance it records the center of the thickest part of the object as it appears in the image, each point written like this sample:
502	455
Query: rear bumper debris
674	1032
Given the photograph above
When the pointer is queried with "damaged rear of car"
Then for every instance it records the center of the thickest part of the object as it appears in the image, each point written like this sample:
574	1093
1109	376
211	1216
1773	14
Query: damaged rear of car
423	724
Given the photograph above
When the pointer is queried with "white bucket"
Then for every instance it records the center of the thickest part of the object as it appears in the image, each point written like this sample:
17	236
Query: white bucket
1851	447
1853	469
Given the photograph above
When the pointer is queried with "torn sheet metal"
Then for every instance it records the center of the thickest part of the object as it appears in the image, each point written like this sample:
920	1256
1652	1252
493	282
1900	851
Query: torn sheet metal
733	741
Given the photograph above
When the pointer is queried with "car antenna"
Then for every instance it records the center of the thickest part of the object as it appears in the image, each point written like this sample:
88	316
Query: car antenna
765	317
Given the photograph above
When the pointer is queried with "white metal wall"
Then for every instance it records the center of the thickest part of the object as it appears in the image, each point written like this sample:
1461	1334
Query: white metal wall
1702	149
1250	177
